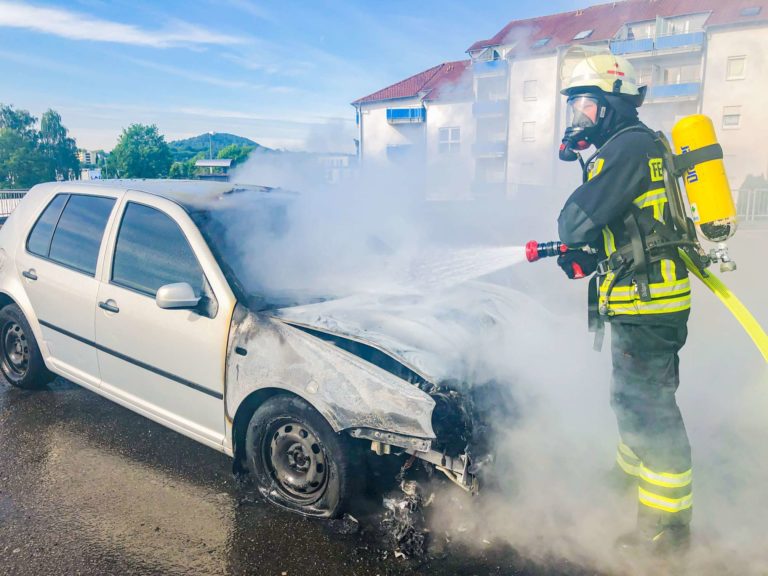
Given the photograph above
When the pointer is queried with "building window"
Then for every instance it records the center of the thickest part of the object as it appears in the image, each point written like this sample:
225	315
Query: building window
682	74
529	89
751	11
644	75
583	34
638	30
541	42
731	116
449	140
529	131
736	67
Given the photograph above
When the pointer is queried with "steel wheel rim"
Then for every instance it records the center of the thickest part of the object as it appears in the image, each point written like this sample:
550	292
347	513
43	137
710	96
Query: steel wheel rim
15	350
296	460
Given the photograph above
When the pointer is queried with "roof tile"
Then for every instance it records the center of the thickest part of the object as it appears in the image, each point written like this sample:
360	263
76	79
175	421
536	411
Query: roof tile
606	19
432	83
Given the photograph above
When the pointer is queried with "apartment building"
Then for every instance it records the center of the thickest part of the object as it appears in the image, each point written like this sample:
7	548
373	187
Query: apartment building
504	117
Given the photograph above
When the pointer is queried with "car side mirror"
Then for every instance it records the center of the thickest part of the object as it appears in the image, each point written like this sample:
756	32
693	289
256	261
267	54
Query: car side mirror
176	296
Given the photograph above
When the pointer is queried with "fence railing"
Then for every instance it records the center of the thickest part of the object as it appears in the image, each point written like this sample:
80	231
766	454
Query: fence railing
752	206
9	199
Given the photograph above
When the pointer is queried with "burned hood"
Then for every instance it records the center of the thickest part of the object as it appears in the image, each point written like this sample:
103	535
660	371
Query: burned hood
437	335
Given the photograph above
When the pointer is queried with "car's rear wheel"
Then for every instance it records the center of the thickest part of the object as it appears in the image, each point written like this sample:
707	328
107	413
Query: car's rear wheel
20	359
297	460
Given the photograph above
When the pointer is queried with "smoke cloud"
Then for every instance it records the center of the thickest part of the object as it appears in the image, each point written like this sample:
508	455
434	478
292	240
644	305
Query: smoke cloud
376	233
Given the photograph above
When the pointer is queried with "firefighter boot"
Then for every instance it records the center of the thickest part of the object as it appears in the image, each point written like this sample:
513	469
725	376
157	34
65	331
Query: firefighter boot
655	536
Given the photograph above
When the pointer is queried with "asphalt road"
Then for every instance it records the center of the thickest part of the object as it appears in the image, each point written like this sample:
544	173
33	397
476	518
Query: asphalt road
88	487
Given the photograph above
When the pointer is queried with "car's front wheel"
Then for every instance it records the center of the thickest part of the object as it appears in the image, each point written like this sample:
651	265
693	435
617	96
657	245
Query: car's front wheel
297	460
20	359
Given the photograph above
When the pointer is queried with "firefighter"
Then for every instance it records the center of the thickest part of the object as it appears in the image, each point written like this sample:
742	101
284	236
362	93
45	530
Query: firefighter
645	297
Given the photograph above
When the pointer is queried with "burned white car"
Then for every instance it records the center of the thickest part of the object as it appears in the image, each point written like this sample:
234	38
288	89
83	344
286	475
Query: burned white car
133	289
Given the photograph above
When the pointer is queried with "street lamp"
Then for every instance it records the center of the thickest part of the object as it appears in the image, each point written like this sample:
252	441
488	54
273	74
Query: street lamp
210	145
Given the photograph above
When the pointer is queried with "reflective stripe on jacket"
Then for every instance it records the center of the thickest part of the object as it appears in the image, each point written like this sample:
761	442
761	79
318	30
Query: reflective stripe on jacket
627	171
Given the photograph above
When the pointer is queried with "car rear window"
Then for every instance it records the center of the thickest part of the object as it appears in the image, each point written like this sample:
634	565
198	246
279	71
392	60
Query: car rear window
78	234
39	240
152	251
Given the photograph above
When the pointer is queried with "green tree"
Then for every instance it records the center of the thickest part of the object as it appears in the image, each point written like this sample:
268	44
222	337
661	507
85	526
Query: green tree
58	149
141	152
185	169
21	163
237	152
29	156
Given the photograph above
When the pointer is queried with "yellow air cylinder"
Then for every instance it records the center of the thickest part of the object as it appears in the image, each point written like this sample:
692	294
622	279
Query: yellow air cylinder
706	184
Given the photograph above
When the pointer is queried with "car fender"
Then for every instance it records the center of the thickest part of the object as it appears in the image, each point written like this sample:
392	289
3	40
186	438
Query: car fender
12	233
349	392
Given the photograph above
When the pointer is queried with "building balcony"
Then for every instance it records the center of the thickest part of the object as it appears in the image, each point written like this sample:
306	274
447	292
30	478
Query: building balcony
632	46
672	42
490	108
675	41
496	149
406	115
490	68
686	90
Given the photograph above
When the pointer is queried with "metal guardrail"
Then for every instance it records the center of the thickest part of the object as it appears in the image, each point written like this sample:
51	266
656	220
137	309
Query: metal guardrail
9	199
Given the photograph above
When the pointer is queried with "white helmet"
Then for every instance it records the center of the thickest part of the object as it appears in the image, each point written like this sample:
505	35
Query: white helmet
586	68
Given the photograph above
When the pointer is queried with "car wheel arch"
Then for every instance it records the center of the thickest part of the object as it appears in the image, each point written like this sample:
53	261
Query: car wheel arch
248	407
6	299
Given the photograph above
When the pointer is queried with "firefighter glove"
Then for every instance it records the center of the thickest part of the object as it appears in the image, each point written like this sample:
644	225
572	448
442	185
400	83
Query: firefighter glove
577	263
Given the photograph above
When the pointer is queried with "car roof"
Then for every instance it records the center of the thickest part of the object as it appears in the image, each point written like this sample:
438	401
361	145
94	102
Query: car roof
190	194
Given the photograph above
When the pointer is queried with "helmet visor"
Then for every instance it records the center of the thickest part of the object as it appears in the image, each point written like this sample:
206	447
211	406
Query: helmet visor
583	111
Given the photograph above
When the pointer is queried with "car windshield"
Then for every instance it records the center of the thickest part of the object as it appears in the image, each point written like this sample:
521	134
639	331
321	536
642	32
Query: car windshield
241	230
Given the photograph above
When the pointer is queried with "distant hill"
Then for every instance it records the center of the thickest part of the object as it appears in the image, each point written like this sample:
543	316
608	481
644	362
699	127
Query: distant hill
185	149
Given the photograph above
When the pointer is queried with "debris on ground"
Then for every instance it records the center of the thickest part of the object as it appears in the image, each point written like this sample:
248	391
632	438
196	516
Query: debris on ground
404	522
345	525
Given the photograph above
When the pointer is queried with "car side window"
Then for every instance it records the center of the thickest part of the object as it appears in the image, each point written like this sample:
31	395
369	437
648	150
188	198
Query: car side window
70	230
77	238
152	251
39	240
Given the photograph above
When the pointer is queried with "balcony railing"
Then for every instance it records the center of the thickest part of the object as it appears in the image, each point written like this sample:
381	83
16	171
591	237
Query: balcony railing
679	41
491	67
630	46
406	115
684	90
660	43
488	108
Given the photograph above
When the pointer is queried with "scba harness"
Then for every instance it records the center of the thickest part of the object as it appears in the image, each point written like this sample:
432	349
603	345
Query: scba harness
651	239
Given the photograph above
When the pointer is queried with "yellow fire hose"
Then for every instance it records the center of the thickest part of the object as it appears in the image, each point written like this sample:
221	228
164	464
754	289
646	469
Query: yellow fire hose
739	311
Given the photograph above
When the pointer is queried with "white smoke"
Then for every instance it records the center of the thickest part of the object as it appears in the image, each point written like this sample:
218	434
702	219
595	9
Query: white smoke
376	233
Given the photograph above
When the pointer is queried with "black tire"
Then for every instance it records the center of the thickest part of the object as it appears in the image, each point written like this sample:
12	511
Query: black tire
20	359
297	460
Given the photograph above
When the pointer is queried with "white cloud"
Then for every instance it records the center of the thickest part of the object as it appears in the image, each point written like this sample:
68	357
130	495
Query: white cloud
190	74
80	26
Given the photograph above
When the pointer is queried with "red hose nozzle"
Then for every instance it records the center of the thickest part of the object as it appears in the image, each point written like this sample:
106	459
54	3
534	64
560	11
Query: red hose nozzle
535	250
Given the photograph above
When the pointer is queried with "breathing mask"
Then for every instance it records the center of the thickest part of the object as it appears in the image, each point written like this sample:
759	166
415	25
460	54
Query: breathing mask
587	112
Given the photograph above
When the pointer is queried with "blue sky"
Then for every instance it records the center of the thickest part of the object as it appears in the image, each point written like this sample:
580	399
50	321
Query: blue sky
281	73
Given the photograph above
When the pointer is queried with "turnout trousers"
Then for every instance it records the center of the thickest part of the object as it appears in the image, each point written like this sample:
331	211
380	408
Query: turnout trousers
653	445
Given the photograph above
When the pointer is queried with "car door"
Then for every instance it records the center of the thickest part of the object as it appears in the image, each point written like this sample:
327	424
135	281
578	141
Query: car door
59	265
167	363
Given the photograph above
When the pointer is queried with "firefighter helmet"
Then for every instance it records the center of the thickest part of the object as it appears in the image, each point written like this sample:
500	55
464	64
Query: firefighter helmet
607	72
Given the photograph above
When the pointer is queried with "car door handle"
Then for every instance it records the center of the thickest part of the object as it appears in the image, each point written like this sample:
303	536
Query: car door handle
30	274
109	306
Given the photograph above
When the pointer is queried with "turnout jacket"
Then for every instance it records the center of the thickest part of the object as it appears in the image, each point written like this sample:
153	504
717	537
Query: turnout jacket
627	171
